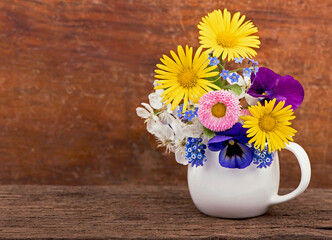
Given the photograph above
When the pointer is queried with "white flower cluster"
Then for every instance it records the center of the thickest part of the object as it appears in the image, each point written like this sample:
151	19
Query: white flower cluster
171	132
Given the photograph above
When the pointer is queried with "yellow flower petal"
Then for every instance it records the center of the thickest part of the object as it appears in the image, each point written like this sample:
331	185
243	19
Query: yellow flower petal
227	36
184	76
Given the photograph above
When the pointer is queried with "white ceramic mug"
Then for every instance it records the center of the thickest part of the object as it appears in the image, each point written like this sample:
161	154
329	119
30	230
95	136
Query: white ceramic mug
242	193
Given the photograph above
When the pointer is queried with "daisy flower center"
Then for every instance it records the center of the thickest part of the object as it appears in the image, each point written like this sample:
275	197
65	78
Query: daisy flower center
218	110
267	123
187	78
225	40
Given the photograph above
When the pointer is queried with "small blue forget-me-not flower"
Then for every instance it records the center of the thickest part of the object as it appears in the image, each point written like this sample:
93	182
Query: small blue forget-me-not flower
246	72
214	61
238	60
234	77
224	74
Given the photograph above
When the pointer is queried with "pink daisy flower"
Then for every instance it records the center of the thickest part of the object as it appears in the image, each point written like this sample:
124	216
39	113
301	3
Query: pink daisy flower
218	110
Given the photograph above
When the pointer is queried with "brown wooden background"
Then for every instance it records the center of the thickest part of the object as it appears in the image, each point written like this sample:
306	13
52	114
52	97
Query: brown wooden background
73	72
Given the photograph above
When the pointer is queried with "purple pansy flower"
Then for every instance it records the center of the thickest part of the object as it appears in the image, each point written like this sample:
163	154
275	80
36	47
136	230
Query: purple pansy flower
268	85
234	153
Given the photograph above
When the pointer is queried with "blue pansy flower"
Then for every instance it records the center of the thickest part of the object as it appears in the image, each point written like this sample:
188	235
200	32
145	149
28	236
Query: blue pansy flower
234	77
238	60
189	115
234	153
214	61
224	74
262	158
246	72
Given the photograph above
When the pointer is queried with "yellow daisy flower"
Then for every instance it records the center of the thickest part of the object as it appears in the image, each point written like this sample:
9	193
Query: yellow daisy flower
185	77
269	124
226	36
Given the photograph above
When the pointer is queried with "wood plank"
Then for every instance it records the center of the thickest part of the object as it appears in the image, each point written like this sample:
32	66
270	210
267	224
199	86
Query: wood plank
73	72
149	212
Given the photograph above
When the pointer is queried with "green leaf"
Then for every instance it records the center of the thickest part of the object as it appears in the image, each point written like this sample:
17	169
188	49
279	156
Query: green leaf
208	133
235	88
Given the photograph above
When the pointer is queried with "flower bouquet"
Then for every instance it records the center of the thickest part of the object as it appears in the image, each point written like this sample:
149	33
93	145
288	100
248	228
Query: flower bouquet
219	117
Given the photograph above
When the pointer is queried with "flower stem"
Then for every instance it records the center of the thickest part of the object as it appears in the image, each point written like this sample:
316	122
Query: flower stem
216	79
225	63
221	67
235	70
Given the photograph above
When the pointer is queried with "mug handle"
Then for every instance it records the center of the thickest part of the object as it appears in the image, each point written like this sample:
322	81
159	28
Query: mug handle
304	162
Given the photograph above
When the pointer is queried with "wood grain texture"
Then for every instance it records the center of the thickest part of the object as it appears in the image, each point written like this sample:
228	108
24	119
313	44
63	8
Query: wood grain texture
149	212
73	72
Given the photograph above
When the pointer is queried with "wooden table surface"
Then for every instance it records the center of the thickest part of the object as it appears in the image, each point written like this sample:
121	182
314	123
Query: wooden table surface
149	212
